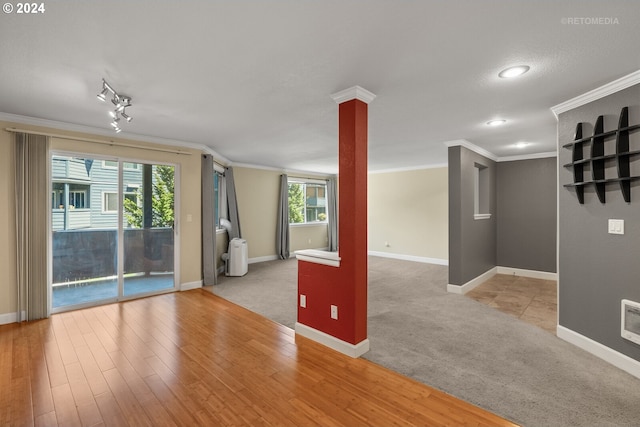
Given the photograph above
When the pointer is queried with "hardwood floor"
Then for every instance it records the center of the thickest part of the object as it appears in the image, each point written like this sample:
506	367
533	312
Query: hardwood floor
192	358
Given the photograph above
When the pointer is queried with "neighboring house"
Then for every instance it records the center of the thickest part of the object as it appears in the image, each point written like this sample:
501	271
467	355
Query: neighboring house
84	192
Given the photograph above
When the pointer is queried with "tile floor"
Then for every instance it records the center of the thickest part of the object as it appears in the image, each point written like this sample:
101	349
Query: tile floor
531	300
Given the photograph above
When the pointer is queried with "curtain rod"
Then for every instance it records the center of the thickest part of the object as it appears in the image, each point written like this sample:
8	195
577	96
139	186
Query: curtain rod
97	141
317	178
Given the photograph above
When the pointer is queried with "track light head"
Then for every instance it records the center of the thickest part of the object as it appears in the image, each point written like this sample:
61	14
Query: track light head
102	96
120	101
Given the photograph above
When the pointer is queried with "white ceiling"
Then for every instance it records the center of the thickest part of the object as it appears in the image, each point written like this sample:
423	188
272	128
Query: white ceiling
253	79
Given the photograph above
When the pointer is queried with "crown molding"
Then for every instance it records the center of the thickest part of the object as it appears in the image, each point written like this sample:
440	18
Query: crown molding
355	92
293	172
71	127
598	93
409	168
528	156
478	150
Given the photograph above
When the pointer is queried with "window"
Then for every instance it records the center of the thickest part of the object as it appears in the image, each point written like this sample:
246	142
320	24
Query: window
57	198
307	202
220	198
110	201
78	199
112	164
78	196
481	192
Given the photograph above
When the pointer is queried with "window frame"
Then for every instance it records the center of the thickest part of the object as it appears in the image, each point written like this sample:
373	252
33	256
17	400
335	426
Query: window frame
124	194
304	182
125	165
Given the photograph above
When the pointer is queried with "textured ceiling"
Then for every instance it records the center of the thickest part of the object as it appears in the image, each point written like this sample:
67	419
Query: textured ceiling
252	79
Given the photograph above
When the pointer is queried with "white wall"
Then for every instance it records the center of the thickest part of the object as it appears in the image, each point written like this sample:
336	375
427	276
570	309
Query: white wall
258	191
408	210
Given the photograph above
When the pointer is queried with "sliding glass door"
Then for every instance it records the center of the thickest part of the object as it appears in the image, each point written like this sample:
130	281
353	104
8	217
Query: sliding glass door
112	230
148	229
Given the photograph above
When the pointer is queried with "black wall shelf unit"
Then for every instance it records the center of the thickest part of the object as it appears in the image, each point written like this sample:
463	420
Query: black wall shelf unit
599	161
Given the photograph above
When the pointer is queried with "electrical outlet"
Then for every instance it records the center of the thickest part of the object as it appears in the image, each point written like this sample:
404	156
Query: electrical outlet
334	312
303	301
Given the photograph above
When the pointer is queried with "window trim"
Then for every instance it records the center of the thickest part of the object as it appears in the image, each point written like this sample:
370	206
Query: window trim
104	193
305	181
124	165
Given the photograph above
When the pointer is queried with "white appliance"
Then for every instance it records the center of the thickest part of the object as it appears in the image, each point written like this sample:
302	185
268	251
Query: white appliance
237	260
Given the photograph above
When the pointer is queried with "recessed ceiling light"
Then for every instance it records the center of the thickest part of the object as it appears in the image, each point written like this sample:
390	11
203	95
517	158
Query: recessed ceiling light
516	71
521	144
496	122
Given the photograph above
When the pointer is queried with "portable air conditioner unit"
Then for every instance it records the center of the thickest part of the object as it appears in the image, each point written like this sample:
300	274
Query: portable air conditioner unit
237	260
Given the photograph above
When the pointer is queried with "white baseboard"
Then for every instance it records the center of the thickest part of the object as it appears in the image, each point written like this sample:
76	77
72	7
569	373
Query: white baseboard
533	274
191	285
263	259
6	318
353	350
605	353
463	289
413	258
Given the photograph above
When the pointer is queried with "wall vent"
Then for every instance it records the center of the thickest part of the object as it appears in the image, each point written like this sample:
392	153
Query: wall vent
630	323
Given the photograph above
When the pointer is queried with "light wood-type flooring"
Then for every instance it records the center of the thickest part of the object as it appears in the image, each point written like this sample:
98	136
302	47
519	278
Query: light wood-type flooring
192	358
534	301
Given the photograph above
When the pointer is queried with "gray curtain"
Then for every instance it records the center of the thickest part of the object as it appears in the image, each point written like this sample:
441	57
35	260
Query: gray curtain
32	210
208	223
232	204
282	227
332	208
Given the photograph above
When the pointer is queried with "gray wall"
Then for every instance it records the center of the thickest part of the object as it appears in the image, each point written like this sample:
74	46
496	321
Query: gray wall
472	243
597	269
526	214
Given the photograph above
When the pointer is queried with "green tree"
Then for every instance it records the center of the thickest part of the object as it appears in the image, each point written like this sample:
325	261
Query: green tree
296	203
161	201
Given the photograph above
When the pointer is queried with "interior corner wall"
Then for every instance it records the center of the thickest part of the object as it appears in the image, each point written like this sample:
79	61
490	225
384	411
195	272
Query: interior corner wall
527	214
472	243
597	269
258	191
408	213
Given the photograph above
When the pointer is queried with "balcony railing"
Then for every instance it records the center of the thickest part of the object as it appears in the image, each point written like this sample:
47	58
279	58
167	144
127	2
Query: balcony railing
92	253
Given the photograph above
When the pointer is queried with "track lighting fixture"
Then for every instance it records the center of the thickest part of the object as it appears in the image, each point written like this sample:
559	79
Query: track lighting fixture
119	101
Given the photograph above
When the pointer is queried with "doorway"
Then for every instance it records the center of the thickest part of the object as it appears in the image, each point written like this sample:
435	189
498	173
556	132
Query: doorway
112	230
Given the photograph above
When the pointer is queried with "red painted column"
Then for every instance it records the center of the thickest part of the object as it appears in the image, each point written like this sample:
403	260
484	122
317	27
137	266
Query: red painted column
344	286
352	210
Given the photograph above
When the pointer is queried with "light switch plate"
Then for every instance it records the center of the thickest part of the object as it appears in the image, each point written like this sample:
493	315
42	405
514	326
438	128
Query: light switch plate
303	301
616	226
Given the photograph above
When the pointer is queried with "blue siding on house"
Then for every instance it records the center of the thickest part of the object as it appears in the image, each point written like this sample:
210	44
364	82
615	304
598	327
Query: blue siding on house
99	179
63	169
78	218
